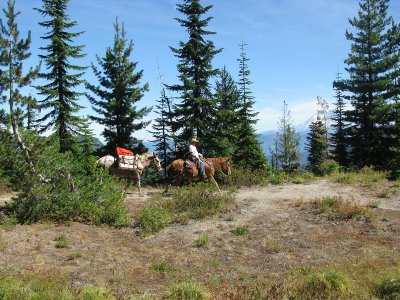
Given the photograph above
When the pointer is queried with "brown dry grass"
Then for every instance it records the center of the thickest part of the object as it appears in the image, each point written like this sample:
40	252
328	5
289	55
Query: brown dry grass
287	240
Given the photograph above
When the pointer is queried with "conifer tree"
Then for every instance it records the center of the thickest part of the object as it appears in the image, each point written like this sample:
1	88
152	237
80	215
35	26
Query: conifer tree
162	132
116	98
63	77
394	96
195	113
13	53
287	152
248	151
338	136
227	107
368	66
317	145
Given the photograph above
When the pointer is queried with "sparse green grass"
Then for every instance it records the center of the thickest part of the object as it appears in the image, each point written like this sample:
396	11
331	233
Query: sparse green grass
326	285
8	222
46	287
3	246
385	193
373	203
61	241
202	242
303	178
339	209
240	230
187	291
162	267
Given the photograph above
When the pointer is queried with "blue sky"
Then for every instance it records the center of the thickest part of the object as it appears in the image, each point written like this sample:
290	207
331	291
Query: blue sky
295	47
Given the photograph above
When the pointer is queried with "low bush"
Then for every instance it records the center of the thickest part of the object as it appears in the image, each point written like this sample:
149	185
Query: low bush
389	288
152	219
277	178
246	178
75	191
339	209
185	291
328	167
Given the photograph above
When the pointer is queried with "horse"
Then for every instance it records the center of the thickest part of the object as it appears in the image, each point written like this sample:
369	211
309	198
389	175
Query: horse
180	169
147	159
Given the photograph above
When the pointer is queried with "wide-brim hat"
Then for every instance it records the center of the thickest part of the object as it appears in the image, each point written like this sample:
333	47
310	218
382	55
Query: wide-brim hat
194	140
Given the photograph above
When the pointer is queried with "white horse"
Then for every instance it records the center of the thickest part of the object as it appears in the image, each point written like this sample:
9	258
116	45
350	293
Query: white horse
147	159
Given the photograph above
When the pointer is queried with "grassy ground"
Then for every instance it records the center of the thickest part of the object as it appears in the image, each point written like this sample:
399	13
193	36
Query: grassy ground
290	240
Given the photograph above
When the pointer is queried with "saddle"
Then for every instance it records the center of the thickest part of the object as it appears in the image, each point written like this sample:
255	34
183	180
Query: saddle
191	167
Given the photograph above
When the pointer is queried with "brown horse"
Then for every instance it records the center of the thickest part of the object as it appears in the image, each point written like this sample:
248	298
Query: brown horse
147	159
179	170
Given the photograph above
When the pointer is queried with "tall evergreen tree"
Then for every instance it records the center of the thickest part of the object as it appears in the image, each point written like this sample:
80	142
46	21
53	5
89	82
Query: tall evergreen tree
61	97
13	53
248	149
161	131
287	141
227	106
317	145
118	93
195	113
338	136
368	66
394	96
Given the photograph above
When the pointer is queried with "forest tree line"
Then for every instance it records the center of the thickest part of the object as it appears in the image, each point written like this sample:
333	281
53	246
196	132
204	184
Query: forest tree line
366	114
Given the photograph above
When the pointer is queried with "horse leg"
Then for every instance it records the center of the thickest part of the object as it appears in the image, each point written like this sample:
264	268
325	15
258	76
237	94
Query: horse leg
213	181
137	179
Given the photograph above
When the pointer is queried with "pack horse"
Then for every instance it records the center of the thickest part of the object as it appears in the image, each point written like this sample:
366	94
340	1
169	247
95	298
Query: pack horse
129	166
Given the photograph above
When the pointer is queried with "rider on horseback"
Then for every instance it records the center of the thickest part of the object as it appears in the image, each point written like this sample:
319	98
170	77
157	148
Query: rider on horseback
195	156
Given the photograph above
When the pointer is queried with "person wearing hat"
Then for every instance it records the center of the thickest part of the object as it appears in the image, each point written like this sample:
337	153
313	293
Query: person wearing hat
195	155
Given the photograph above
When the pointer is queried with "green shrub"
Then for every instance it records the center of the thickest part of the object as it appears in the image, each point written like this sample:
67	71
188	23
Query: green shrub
186	291
389	288
326	285
240	230
153	219
202	242
277	178
328	167
76	191
246	177
199	201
